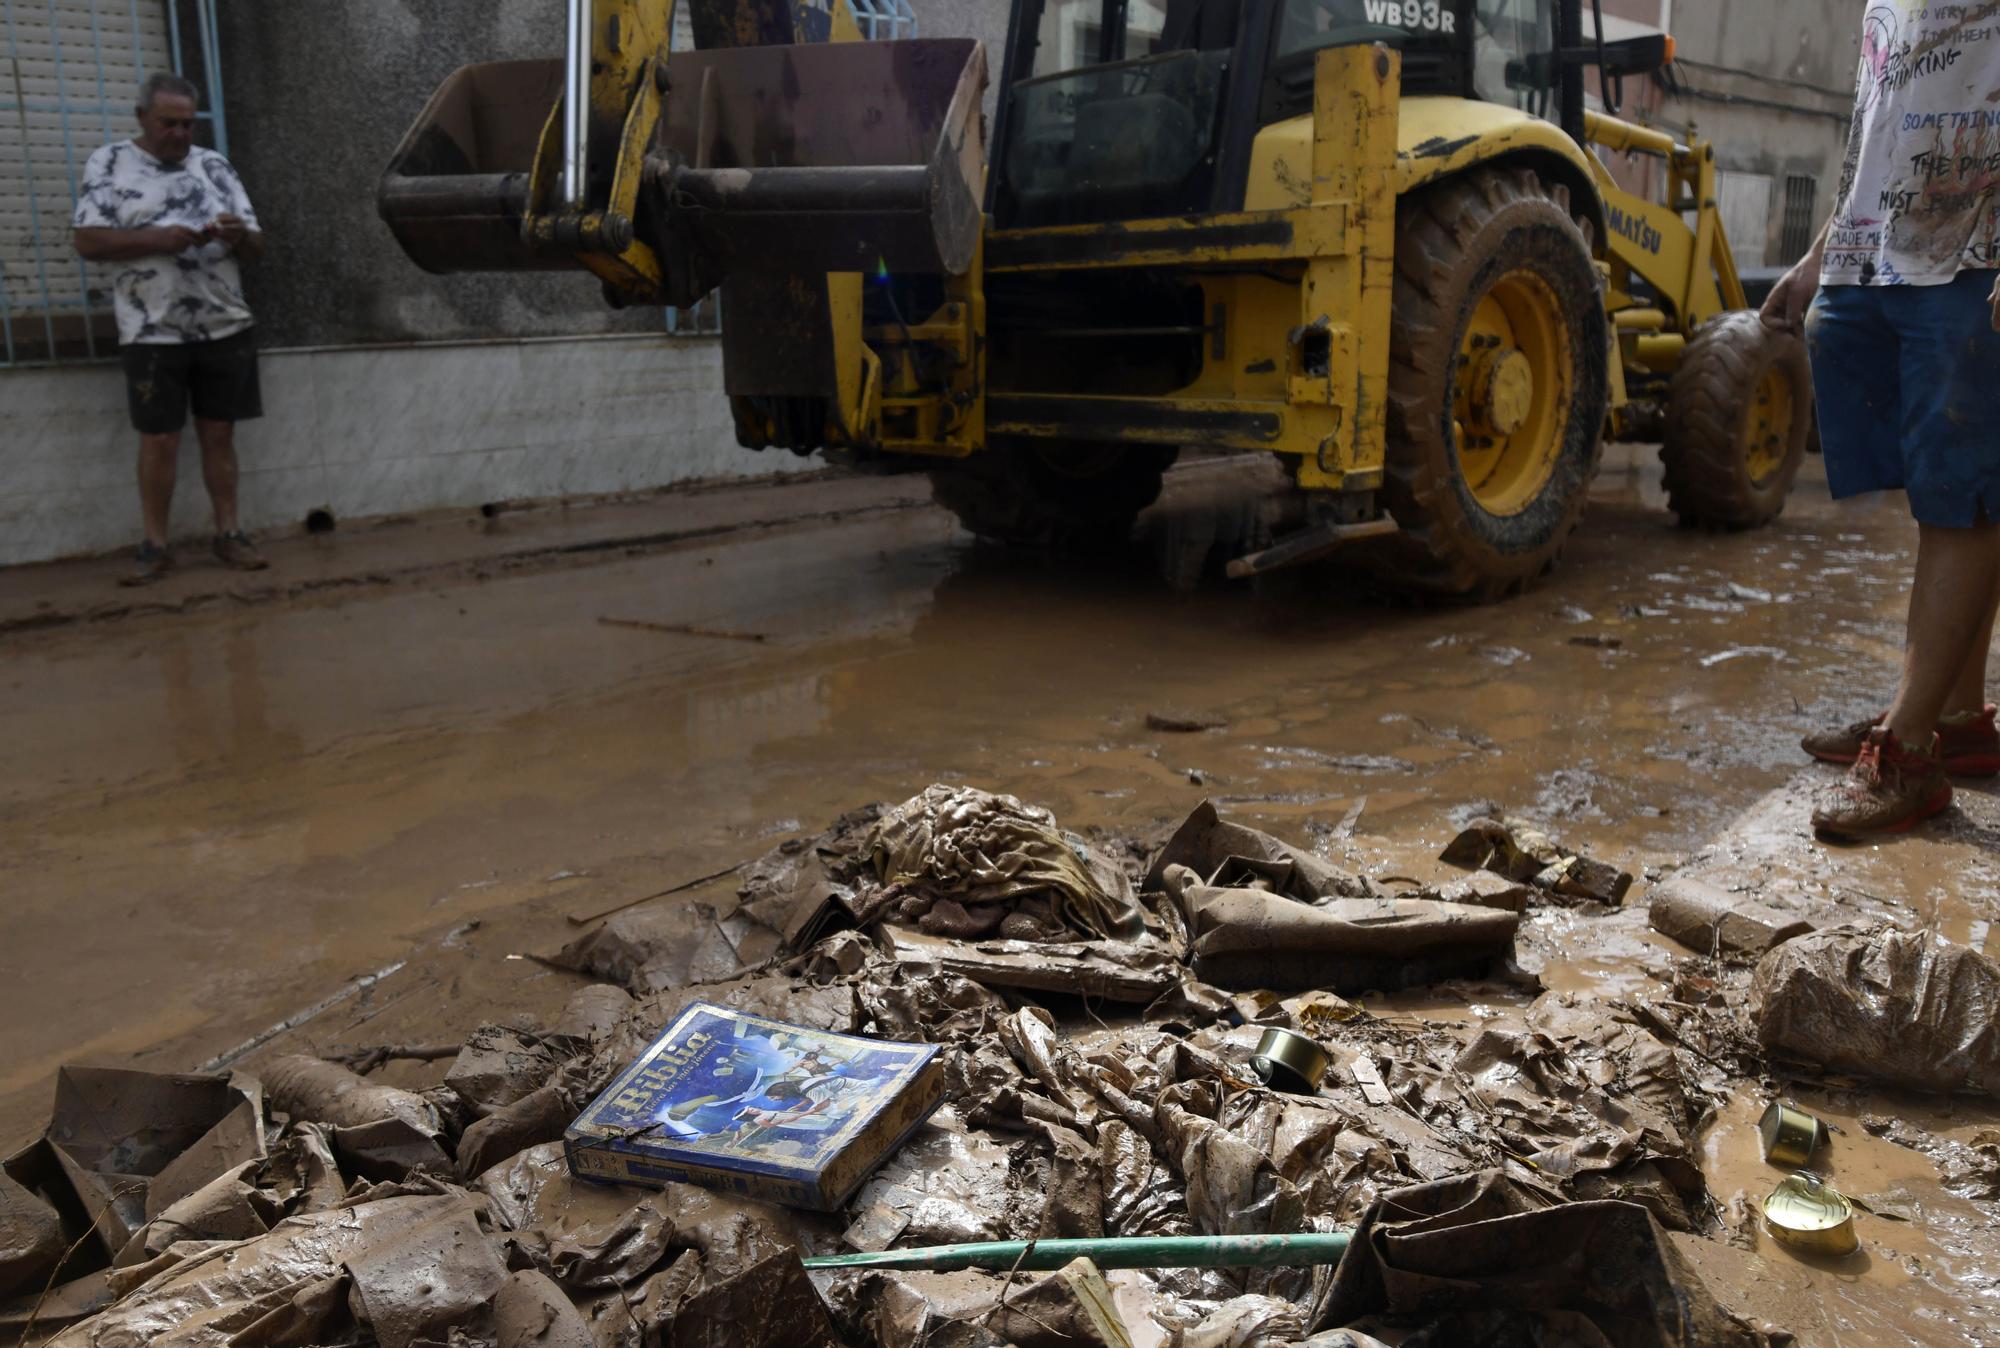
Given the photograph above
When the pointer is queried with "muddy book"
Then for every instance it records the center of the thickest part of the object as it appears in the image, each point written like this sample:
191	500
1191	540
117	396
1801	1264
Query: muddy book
756	1107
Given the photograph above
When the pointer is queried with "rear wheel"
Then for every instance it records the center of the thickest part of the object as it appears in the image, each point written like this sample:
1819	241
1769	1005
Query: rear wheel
1739	414
1062	495
1497	385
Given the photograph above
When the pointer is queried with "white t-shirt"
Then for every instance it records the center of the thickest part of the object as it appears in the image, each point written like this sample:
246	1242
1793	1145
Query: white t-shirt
1920	192
196	296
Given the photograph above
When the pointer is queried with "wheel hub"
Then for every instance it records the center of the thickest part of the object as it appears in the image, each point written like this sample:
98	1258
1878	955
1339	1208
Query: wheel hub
1513	391
1504	390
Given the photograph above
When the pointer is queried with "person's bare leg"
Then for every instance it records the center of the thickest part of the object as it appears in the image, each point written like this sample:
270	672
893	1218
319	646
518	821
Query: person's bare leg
218	469
159	457
1969	693
1951	608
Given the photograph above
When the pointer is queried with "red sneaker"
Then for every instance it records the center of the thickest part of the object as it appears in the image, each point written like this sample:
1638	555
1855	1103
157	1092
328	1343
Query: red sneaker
1890	789
1969	748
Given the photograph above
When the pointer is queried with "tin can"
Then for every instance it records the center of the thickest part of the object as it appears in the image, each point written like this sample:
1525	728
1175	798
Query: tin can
1289	1061
1807	1213
1791	1136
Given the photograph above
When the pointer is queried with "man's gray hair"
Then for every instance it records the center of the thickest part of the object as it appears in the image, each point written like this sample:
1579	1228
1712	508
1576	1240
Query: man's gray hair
165	82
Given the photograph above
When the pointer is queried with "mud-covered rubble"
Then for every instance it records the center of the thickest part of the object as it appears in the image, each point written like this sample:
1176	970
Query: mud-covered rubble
1512	1177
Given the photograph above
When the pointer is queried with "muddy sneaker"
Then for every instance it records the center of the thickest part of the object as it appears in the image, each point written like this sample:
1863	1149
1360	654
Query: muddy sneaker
1890	789
152	562
238	553
1969	743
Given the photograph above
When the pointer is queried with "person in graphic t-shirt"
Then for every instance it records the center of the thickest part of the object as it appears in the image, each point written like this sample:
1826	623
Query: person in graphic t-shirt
174	218
1900	302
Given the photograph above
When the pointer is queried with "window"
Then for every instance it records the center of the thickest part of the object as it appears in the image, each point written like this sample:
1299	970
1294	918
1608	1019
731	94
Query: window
1801	217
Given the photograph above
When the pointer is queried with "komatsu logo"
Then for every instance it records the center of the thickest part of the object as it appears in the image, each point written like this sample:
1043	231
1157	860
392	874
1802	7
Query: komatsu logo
1426	15
1634	228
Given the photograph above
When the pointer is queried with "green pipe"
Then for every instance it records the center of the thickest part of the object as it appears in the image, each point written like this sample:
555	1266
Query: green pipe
1266	1251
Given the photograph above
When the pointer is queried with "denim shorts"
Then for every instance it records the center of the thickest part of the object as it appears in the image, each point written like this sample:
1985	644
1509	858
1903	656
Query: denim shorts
1907	379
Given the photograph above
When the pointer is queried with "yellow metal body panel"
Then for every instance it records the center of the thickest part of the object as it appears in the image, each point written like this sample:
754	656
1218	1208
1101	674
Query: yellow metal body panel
1435	137
1692	270
1297	294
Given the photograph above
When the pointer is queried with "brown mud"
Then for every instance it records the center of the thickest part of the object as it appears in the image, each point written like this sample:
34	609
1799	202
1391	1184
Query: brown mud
218	815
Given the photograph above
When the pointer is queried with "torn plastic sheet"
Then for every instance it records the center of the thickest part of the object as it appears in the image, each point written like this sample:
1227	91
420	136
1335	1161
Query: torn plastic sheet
1904	1007
1485	1258
425	1266
387	1130
130	1143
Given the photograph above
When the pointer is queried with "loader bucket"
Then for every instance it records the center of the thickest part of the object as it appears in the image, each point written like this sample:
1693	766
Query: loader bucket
457	185
839	156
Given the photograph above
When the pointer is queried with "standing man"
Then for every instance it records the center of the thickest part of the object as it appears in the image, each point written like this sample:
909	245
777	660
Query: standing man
1905	345
174	219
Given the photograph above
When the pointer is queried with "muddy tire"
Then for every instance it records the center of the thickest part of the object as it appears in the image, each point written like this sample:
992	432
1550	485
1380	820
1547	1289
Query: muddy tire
1486	487
1739	416
1064	497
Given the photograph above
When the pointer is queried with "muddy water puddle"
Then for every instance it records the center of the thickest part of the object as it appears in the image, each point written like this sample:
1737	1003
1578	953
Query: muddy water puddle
210	819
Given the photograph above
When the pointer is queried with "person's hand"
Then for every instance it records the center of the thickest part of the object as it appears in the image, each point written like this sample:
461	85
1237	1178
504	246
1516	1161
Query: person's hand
1785	307
1996	302
229	228
175	238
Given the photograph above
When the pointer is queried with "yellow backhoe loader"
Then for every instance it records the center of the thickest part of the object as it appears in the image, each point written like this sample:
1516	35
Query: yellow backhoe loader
1373	237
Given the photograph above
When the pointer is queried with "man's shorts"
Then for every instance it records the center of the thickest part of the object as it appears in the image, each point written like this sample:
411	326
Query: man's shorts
1907	378
218	378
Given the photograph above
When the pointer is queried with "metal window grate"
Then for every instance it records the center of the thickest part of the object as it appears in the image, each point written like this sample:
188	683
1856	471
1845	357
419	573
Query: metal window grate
1801	219
68	71
878	20
884	20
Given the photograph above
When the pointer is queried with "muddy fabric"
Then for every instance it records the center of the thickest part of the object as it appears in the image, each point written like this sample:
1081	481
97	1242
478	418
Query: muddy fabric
537	1117
593	1012
1899	1006
1228	855
965	861
768	1304
1232	1188
1486	1258
31	1238
312	1088
229	1286
413	1284
1257	938
1711	921
499	1064
530	1311
654	947
1521	852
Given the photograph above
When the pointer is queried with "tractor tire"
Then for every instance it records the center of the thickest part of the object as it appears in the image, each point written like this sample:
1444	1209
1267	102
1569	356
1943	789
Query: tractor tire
1061	497
1739	416
1493	278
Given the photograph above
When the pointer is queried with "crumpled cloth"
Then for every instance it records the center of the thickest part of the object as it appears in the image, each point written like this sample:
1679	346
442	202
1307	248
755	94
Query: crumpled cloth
1486	1258
1904	1007
961	847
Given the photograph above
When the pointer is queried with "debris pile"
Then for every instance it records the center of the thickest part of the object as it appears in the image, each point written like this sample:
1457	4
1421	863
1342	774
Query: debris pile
1508	1179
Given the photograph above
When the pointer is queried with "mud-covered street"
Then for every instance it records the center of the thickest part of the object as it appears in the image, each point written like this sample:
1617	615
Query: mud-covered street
335	810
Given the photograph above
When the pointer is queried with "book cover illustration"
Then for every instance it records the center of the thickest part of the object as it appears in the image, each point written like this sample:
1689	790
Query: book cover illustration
723	1090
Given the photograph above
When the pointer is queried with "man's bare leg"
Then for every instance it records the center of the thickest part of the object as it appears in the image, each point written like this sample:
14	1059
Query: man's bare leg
218	469
1968	695
1951	611
159	458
